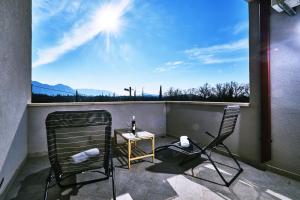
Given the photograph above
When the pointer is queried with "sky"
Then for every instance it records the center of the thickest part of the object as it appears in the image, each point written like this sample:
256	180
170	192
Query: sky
110	45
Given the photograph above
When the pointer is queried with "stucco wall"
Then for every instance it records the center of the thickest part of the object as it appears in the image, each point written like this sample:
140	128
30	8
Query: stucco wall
15	79
149	116
285	91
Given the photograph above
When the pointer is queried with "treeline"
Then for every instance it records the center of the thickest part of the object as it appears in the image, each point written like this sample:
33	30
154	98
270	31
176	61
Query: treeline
43	98
226	92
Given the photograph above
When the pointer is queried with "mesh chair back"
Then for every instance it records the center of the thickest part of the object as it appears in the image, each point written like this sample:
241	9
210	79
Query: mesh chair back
228	123
72	132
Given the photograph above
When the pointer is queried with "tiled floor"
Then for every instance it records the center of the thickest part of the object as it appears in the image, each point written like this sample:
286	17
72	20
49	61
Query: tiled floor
162	180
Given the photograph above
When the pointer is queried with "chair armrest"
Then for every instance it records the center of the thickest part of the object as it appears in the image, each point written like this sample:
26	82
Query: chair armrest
206	132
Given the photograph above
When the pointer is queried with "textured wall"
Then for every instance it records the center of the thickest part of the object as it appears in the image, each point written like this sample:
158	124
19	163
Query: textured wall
15	79
285	93
149	116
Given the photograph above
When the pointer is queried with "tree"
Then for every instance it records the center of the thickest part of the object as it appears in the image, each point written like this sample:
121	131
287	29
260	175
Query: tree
76	96
205	91
160	92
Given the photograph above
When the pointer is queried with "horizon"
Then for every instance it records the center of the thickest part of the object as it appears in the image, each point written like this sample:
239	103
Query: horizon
111	92
111	45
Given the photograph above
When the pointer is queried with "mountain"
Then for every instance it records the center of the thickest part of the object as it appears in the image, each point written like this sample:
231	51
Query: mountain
52	90
150	95
94	92
60	89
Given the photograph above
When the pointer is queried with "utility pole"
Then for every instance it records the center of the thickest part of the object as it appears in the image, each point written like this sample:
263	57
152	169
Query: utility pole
129	90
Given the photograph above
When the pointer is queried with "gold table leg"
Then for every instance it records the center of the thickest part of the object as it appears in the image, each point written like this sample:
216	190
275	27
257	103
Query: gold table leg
153	149
129	153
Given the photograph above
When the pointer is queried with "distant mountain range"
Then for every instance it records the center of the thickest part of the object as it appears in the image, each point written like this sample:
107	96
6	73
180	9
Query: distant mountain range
60	89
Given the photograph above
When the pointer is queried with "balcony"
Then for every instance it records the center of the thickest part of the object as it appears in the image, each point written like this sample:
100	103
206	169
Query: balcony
23	146
164	179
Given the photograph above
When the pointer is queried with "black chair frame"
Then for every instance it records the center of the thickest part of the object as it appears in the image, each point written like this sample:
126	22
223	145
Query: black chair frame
109	171
198	151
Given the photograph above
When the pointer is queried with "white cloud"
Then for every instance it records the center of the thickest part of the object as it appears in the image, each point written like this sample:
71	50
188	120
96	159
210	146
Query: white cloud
168	66
212	60
240	27
42	10
218	54
106	19
219	48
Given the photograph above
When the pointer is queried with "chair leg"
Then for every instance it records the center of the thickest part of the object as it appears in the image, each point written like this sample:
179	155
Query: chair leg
216	168
232	157
227	183
240	169
48	180
113	179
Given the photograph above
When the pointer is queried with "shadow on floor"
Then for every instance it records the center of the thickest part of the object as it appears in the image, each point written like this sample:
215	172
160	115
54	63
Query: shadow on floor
32	187
171	164
120	153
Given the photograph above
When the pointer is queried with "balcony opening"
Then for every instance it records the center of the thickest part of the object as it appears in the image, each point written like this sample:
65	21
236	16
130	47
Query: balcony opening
129	50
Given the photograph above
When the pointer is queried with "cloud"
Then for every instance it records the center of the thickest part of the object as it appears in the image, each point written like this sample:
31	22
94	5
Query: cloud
240	27
42	10
218	54
168	66
211	60
105	19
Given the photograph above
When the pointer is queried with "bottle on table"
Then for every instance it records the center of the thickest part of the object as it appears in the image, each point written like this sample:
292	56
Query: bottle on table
133	125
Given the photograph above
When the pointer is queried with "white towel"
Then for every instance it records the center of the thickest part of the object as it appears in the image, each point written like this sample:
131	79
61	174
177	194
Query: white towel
92	152
79	157
184	142
85	155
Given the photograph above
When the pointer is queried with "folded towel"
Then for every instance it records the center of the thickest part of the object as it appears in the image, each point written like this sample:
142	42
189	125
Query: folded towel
92	152
184	142
85	155
79	157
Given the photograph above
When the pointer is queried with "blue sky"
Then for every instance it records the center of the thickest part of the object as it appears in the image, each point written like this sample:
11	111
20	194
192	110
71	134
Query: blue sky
114	44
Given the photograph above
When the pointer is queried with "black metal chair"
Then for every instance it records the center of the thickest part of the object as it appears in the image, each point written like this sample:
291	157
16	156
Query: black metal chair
72	132
226	129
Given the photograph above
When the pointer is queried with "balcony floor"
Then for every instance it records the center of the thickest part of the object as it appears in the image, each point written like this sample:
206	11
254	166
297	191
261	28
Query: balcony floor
159	181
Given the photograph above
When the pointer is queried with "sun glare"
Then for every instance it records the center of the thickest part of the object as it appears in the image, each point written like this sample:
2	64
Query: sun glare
110	19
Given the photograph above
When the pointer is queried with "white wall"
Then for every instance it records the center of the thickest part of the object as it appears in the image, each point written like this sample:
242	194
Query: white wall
149	116
15	81
285	92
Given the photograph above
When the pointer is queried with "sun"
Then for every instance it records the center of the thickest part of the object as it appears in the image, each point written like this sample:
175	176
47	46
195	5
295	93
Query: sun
110	19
